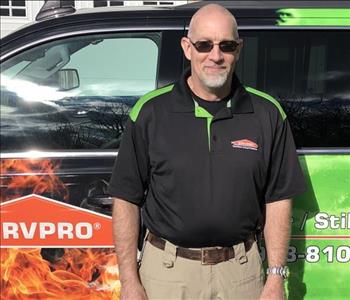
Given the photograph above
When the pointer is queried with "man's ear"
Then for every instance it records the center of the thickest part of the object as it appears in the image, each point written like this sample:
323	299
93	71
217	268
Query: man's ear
186	47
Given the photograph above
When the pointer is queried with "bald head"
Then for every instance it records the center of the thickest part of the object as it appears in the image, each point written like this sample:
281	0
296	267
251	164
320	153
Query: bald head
212	67
211	13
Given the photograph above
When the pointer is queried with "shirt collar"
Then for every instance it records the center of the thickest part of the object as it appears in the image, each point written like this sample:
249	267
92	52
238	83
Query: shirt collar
241	102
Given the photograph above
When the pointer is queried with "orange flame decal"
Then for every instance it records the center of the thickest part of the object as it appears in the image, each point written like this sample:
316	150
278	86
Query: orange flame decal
30	176
80	274
25	273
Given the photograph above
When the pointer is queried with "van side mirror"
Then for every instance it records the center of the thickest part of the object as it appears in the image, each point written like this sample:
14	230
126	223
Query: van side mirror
68	79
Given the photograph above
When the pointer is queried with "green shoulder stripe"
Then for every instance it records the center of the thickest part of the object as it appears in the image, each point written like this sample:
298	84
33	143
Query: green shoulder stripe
269	98
145	98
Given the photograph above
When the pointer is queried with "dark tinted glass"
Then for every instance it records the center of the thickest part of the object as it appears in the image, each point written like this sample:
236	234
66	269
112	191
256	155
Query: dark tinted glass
51	97
100	3
18	12
68	3
4	12
116	3
18	3
308	72
4	2
207	46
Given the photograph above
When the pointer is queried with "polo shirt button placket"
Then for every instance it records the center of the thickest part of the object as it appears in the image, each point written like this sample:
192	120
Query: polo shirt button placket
214	142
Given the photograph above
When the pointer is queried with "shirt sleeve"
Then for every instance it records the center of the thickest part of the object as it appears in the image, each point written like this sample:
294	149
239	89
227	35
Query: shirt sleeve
285	178
130	176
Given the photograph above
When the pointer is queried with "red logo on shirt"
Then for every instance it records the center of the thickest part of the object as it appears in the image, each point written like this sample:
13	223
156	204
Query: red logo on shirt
245	144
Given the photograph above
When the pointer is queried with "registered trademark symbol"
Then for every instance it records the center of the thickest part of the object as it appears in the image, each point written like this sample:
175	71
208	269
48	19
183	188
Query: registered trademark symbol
97	226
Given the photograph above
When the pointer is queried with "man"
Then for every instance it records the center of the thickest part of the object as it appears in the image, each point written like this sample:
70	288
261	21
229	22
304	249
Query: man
205	159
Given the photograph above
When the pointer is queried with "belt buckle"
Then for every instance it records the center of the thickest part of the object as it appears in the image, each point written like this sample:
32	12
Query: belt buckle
203	261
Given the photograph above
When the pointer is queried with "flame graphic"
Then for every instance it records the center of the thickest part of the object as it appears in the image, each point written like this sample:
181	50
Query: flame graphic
30	176
80	274
26	273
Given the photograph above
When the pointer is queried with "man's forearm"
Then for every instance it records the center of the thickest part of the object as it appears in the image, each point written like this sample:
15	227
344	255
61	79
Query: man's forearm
125	233
277	231
276	235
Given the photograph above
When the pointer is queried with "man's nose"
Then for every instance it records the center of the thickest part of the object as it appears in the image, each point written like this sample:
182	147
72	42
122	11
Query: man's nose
216	54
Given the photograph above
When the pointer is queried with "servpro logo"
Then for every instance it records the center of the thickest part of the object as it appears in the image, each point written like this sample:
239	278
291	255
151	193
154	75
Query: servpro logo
245	144
35	221
82	231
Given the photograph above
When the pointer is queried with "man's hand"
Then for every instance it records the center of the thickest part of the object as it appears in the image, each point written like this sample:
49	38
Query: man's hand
133	291
273	289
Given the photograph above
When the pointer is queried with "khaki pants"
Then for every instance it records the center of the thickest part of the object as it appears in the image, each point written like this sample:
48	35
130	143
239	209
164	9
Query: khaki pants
166	276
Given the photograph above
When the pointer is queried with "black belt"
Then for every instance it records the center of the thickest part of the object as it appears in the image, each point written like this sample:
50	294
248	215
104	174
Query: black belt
208	255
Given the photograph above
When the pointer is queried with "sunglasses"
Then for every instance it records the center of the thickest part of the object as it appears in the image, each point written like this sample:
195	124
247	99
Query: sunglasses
207	46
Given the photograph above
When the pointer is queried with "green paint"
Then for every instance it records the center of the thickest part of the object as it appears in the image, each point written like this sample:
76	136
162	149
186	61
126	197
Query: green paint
328	181
314	17
320	275
267	97
137	107
200	112
321	280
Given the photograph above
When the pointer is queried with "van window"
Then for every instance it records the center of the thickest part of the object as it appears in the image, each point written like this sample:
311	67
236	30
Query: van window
308	72
75	93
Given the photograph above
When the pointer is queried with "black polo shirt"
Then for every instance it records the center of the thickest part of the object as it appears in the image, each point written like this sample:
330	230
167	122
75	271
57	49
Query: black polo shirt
203	180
